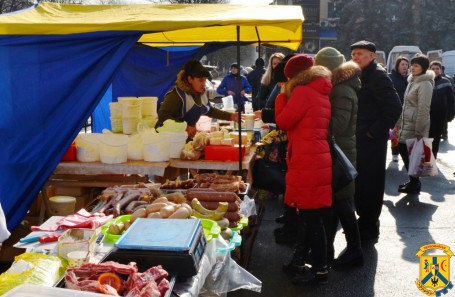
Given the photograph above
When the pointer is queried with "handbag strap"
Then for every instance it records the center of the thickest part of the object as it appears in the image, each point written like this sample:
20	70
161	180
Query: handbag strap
330	137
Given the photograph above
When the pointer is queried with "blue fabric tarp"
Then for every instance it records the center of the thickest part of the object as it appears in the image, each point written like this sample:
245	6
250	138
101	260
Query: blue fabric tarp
52	84
45	102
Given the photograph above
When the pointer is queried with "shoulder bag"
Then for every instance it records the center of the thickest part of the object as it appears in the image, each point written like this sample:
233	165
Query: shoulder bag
343	172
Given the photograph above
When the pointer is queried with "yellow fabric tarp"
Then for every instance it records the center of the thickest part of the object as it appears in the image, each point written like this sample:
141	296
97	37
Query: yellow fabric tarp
165	24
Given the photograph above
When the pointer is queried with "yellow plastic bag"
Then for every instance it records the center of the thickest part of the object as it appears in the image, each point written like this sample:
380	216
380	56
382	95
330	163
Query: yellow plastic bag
41	270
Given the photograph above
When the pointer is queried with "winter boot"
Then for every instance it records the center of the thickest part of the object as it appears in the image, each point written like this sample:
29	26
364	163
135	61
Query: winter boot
300	257
352	256
411	187
312	276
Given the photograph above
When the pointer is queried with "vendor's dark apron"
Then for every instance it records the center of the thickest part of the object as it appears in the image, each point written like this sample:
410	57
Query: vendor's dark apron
194	113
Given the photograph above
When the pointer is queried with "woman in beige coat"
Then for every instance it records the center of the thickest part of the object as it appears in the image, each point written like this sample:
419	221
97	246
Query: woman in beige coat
414	121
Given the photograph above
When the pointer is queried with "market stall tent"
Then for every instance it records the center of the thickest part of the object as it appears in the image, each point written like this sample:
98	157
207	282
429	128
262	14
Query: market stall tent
59	60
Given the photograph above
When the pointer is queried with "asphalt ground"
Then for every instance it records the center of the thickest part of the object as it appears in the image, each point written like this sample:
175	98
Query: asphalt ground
391	265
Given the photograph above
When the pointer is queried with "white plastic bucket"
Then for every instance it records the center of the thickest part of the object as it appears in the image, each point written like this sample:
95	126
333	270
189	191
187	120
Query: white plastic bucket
117	125
131	107
113	148
258	124
249	121
87	147
130	125
204	124
146	123
149	106
116	109
62	205
156	149
135	147
228	102
177	142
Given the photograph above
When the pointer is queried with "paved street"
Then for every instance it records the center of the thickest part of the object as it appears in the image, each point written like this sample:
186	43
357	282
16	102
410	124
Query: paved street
391	265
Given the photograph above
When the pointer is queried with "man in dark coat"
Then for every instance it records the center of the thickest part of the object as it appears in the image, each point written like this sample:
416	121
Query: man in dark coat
379	108
254	78
442	106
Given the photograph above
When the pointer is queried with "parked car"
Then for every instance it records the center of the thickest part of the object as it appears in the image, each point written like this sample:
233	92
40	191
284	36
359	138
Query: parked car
448	60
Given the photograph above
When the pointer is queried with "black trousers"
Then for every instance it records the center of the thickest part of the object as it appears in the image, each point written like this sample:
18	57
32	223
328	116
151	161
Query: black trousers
370	183
437	123
312	235
404	154
342	211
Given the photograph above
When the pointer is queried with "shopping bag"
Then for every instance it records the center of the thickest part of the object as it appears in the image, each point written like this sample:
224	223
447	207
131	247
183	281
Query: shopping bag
343	172
269	167
269	176
430	168
421	160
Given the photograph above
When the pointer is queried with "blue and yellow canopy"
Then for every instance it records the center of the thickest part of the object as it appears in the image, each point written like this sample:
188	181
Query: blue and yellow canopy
164	25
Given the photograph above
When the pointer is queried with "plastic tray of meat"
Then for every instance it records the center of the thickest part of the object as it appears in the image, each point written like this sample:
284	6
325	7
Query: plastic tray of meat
59	289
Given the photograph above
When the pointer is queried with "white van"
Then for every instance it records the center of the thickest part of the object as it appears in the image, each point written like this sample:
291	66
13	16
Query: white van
401	50
380	58
448	60
435	55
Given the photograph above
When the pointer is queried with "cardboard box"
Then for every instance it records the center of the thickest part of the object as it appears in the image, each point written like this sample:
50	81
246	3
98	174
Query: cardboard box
223	153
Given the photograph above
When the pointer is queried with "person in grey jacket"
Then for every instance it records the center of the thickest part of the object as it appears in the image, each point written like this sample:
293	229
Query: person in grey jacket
379	108
414	121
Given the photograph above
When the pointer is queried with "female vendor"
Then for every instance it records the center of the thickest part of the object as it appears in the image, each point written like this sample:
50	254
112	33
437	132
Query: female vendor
187	101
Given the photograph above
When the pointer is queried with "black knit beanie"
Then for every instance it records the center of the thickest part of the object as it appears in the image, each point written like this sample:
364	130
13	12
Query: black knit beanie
278	72
422	60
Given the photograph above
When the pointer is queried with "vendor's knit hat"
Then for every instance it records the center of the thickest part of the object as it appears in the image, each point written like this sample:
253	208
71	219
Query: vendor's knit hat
368	45
329	57
422	60
194	68
235	65
298	63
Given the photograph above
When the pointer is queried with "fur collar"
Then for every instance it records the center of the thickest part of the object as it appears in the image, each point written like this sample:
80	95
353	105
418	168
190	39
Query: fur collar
345	72
429	75
182	84
305	77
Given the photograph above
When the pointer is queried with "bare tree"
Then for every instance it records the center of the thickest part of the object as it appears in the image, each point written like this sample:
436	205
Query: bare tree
14	5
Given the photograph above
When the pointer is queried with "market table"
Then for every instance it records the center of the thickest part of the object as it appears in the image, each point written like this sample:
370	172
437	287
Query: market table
97	174
130	167
214	266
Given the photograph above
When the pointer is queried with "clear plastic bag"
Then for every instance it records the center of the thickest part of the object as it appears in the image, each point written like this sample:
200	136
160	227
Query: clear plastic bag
226	276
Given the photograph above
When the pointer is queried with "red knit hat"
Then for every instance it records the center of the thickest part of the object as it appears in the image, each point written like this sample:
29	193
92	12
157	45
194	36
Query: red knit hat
298	63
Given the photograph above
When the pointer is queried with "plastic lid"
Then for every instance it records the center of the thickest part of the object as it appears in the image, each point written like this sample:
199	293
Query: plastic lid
62	199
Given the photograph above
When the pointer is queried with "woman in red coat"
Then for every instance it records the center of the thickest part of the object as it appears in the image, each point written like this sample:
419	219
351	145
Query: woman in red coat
304	112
